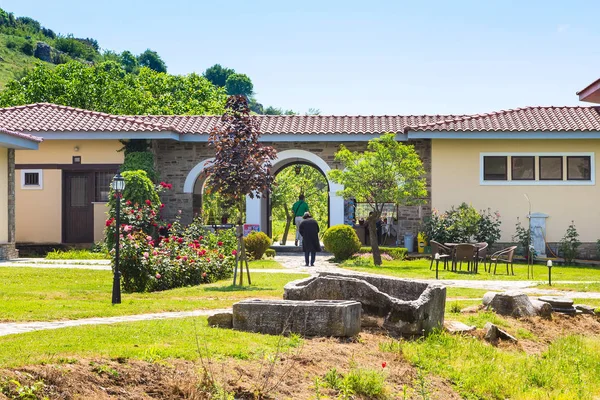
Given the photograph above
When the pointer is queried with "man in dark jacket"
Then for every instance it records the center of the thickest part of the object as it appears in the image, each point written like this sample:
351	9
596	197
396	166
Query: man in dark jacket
309	229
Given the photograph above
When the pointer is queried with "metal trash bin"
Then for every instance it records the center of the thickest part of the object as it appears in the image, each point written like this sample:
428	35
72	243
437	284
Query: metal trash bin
409	240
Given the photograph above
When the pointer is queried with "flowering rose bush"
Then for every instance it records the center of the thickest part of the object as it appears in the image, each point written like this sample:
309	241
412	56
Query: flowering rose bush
155	255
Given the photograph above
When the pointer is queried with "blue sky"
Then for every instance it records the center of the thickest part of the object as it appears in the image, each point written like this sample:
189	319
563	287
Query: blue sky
359	57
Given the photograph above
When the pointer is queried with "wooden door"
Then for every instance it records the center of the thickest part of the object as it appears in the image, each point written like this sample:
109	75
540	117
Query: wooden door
78	215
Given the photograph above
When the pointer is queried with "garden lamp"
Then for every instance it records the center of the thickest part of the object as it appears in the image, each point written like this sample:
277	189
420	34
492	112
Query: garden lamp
549	265
118	185
437	261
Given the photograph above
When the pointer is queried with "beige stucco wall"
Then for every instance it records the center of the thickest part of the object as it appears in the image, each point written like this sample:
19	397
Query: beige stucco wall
100	217
62	152
3	195
39	212
456	179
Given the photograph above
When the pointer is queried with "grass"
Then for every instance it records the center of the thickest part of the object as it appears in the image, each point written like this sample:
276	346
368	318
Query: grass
574	287
569	369
420	269
146	340
43	294
14	61
76	255
266	264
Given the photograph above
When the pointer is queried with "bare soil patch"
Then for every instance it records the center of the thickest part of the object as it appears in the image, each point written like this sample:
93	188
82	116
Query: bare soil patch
290	376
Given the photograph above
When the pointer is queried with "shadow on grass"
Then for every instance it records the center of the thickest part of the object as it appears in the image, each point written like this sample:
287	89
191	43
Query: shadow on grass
238	288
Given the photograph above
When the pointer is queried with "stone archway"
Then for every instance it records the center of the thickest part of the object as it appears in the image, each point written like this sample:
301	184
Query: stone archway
257	210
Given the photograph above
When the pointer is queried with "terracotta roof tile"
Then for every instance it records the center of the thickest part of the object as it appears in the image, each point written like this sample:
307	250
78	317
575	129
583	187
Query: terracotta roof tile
301	124
45	117
528	119
21	135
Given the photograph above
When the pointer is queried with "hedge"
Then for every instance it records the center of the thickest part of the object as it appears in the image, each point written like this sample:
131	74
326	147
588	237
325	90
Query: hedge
397	253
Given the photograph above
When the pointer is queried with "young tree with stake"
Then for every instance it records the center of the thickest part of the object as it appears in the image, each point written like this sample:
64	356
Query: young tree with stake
241	166
387	172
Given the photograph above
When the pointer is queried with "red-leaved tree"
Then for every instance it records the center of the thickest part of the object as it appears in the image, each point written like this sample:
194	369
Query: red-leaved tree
241	166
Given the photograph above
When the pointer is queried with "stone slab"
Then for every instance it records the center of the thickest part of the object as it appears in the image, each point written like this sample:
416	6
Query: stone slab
221	320
585	309
493	333
557	302
307	318
457	327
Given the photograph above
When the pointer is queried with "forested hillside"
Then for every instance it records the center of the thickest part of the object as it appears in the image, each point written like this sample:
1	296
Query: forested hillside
38	64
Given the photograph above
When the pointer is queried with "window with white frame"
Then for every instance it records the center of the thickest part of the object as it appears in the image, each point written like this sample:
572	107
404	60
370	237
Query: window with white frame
537	169
32	179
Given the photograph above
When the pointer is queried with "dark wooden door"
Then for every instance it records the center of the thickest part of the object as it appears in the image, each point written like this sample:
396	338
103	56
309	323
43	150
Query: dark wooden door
78	216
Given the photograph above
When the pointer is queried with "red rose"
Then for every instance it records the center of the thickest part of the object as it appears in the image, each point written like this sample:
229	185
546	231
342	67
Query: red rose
221	256
109	221
148	202
180	240
207	259
178	258
128	202
162	206
234	252
383	364
219	243
169	226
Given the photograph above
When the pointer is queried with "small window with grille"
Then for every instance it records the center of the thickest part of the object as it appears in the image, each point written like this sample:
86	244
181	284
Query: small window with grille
31	179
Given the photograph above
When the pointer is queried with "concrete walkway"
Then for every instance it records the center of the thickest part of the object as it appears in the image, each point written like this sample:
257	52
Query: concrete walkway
11	328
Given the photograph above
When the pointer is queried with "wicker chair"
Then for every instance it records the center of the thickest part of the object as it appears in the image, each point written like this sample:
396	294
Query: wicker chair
505	256
465	252
444	252
482	252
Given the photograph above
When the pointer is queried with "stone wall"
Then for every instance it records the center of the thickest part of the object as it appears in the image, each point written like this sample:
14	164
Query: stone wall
174	160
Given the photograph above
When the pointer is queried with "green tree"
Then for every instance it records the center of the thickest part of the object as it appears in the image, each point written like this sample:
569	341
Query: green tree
152	60
218	75
239	84
129	61
106	87
387	172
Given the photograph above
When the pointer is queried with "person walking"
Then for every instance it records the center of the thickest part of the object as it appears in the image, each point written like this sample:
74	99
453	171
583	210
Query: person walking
309	229
299	208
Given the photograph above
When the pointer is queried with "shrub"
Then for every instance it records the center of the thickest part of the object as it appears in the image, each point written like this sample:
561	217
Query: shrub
569	243
140	161
522	236
488	227
397	253
76	255
76	48
342	241
271	253
257	243
27	48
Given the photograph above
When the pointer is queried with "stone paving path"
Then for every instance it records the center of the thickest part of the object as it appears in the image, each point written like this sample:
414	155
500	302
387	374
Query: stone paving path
11	328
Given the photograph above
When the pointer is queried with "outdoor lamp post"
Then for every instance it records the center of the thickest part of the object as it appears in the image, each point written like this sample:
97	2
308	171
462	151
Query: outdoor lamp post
118	185
437	261
549	265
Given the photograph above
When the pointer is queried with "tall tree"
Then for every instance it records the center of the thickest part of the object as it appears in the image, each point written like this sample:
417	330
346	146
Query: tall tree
218	75
239	84
387	172
241	165
129	61
106	87
152	60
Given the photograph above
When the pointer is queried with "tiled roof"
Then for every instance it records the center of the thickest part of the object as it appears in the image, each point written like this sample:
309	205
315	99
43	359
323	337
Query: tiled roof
302	124
529	119
45	117
21	135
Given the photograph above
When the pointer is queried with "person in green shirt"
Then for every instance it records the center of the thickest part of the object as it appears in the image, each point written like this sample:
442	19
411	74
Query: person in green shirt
299	208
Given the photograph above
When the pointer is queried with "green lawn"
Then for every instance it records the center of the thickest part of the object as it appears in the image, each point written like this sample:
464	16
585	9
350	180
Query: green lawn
43	294
266	264
420	269
145	340
575	287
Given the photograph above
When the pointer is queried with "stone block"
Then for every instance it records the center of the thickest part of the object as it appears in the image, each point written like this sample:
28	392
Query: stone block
585	309
512	303
541	308
457	327
307	318
493	333
221	320
409	307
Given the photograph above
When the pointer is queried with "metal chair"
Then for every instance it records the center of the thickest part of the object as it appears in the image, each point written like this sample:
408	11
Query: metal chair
444	252
465	252
505	256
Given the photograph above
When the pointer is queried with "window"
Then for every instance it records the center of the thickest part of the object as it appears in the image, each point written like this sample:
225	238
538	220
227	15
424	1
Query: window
551	168
494	168
575	169
523	168
578	168
103	180
31	179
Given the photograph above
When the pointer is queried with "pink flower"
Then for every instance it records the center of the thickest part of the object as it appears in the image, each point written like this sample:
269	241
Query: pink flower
204	274
180	240
146	255
201	238
184	258
127	228
155	253
157	275
130	237
234	252
148	238
128	202
178	211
